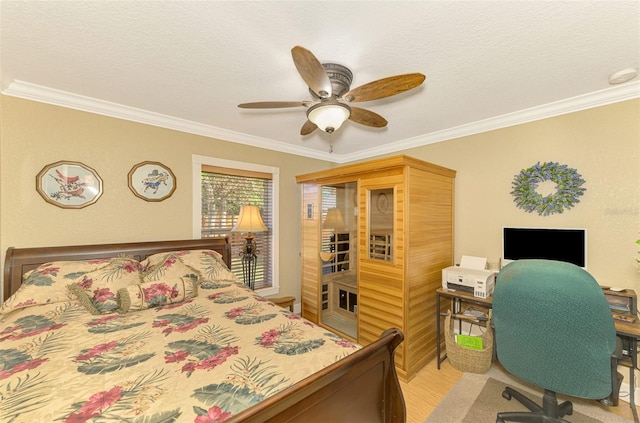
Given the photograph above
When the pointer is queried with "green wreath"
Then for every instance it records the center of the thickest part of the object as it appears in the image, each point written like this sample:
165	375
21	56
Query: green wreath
568	188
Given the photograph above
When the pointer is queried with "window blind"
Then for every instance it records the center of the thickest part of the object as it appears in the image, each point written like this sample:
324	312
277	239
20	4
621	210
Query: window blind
224	191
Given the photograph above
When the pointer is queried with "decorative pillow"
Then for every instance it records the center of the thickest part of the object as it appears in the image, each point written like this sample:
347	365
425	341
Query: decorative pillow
97	290
47	283
208	264
153	294
167	267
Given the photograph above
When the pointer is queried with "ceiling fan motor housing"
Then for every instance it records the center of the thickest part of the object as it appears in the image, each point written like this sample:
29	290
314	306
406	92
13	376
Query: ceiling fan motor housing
340	77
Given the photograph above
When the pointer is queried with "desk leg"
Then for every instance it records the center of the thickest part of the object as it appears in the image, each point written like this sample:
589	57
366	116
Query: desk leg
457	308
632	377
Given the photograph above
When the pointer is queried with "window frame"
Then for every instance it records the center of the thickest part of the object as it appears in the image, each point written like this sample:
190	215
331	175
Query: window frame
197	163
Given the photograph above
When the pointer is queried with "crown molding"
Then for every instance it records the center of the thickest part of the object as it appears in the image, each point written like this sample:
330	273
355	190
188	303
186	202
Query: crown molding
28	91
574	104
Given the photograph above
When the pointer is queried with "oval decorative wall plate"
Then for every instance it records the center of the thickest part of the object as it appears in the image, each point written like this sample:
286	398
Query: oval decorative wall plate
152	181
69	185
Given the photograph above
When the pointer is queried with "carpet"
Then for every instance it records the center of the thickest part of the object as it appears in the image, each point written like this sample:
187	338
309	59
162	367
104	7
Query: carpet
477	398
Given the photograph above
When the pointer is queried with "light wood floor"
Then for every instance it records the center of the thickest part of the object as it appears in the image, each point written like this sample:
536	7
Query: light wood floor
430	385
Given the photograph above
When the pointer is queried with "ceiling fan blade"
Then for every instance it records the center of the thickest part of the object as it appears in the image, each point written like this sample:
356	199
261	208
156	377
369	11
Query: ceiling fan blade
312	71
385	87
308	128
274	104
367	117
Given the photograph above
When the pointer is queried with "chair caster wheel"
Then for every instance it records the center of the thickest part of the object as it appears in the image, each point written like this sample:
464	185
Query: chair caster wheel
506	396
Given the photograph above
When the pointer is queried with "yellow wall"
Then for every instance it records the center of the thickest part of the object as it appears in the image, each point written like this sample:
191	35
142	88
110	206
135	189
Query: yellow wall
603	144
35	134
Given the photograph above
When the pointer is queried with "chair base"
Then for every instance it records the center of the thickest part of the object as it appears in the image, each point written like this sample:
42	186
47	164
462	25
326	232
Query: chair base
550	412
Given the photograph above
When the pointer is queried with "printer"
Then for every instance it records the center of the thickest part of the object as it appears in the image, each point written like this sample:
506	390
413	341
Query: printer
478	282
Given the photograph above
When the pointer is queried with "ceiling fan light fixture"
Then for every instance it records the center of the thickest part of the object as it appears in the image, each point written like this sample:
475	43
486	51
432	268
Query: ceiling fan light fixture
329	115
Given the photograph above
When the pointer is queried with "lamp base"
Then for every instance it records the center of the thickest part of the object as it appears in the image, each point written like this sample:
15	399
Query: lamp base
249	262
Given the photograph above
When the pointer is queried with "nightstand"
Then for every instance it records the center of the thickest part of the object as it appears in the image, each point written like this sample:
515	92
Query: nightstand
283	302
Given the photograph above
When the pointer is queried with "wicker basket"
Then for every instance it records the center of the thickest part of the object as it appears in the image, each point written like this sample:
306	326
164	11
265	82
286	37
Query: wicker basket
467	359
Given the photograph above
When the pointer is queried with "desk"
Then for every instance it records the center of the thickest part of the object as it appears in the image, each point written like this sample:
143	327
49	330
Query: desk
457	298
631	332
628	331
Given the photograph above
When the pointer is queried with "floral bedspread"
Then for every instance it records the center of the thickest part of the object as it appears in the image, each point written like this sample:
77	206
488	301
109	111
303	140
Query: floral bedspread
200	360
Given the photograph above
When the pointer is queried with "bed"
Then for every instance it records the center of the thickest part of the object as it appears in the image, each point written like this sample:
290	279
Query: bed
163	332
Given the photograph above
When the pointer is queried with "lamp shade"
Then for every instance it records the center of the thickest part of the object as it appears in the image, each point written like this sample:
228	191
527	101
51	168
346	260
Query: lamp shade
249	220
329	115
334	220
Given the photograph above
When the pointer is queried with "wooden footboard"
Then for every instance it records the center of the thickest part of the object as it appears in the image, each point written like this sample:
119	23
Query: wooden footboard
362	387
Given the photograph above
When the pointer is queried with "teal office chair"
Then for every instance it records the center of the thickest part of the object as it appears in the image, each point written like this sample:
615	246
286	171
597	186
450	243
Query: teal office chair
554	329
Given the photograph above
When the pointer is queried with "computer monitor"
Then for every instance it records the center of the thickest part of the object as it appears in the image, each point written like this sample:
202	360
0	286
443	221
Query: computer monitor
562	244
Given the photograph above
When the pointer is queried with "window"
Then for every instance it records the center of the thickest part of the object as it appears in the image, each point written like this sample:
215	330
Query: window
223	187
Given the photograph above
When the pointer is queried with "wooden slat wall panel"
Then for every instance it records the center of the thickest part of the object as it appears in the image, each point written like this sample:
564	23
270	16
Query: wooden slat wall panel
381	301
430	249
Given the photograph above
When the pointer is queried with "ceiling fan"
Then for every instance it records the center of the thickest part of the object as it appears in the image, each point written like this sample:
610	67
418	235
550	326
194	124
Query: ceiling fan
330	86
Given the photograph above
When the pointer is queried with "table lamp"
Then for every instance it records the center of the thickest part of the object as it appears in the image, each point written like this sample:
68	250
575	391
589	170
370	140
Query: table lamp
335	223
249	221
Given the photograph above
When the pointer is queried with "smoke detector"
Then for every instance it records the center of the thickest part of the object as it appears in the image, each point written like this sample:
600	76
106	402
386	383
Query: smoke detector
622	76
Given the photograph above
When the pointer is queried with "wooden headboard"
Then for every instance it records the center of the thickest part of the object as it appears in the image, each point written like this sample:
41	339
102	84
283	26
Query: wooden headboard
21	260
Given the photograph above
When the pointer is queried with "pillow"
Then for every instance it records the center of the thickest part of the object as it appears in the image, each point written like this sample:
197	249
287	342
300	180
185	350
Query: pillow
97	290
153	294
208	264
167	267
47	283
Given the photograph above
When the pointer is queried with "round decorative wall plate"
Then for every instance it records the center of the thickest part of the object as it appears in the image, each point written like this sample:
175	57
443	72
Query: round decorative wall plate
568	188
382	202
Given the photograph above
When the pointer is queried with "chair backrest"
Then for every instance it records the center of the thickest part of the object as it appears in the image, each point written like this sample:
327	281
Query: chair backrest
554	328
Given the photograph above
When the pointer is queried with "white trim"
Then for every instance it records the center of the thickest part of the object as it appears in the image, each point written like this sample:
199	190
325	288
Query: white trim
43	94
574	104
48	95
197	162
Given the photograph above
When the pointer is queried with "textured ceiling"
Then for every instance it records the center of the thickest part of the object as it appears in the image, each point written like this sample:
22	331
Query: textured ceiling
186	65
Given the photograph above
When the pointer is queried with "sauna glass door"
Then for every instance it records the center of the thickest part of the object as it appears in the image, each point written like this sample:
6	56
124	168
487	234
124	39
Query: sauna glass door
338	255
